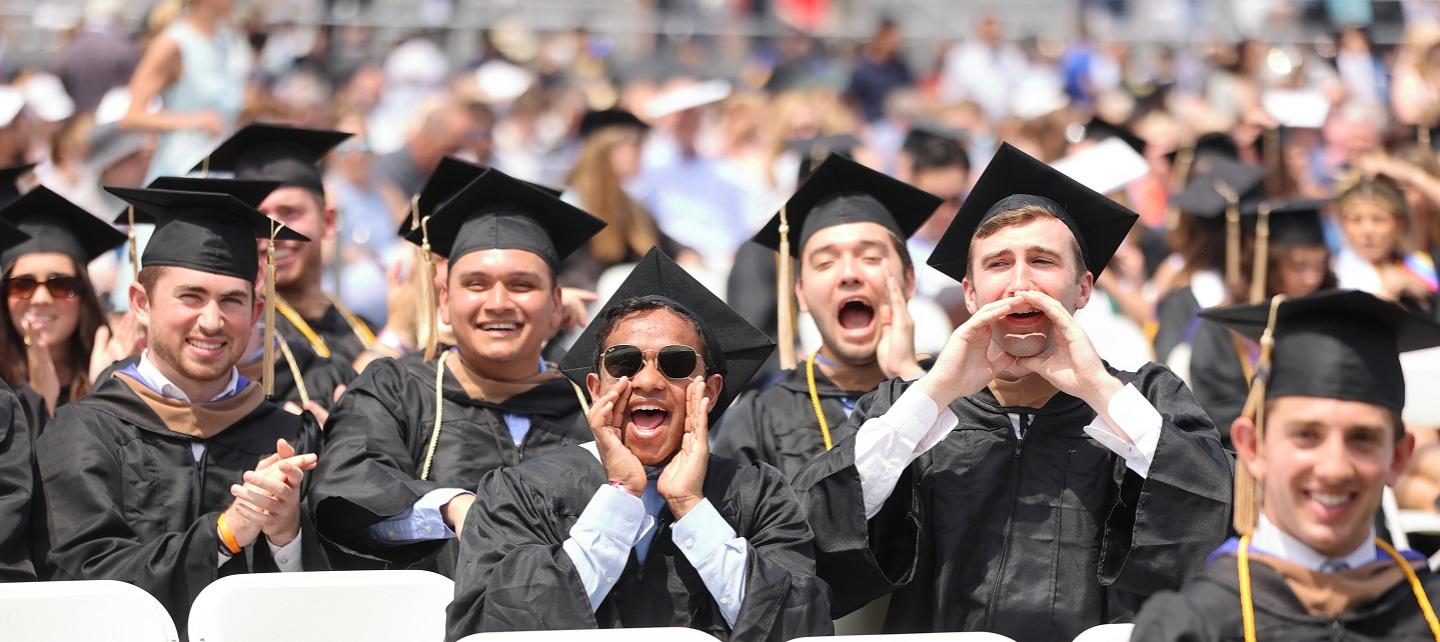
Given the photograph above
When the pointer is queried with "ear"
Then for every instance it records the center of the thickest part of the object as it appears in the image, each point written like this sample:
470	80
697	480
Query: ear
592	385
1404	449
909	283
800	295
442	296
970	303
714	385
557	309
1087	285
330	218
259	308
140	303
1247	449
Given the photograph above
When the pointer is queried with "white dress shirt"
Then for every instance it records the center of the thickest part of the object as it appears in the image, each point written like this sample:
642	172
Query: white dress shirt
1274	542
287	557
885	445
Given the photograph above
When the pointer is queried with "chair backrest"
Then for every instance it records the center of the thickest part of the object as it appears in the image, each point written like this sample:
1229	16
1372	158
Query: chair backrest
355	606
668	634
972	636
82	612
1107	633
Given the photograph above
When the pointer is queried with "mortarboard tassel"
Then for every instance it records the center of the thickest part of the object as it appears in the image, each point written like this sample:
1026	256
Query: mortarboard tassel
267	362
134	246
784	290
1180	170
1259	272
1247	488
427	292
1232	236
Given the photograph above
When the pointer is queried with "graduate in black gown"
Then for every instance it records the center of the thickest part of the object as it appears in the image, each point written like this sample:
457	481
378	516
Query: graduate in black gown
289	156
17	476
643	527
1021	486
399	469
176	470
848	225
1320	438
1296	263
319	378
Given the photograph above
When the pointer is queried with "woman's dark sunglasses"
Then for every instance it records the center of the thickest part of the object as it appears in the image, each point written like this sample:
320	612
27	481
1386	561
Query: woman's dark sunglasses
675	362
60	287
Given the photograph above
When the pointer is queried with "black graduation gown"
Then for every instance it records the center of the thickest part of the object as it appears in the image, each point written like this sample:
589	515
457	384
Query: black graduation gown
375	444
1174	316
1216	377
125	499
33	406
1208	608
778	426
17	488
1036	538
515	575
339	337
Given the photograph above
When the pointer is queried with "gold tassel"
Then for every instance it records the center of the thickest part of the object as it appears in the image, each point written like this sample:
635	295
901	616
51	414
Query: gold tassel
784	291
1180	170
427	292
205	167
1247	488
1260	271
134	246
1232	236
267	363
1422	136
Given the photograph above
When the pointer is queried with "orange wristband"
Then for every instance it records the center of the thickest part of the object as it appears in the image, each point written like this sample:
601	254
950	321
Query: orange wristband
226	537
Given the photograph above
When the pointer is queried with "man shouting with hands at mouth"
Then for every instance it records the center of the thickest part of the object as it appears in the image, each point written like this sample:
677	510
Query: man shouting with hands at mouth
643	527
1021	486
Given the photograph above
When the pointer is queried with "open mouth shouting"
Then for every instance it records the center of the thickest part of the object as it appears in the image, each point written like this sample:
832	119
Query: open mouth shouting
856	317
648	419
1028	318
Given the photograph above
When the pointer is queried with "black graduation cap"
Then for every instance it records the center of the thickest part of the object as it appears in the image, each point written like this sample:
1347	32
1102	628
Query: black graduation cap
1014	179
262	151
843	191
203	231
1099	129
1292	222
10	236
744	348
496	211
449	177
1202	196
9	191
250	192
1211	144
54	224
814	150
595	120
1336	344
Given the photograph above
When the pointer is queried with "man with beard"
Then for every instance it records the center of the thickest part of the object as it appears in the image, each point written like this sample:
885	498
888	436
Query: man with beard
288	156
849	224
409	441
1021	486
642	527
153	479
1319	439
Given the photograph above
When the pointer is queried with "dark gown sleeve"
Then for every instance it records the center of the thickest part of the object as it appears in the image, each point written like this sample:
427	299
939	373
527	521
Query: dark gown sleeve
861	560
367	473
17	486
1216	377
784	598
35	412
753	273
1161	528
1173	314
514	574
739	436
1172	617
89	537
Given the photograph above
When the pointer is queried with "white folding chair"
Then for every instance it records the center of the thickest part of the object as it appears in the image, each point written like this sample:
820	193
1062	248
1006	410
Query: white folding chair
82	612
1403	523
973	636
1107	633
668	634
355	606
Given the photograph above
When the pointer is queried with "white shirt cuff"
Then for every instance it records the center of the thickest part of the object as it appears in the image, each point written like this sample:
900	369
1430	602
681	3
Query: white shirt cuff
886	445
717	555
701	532
602	537
614	513
287	557
1138	420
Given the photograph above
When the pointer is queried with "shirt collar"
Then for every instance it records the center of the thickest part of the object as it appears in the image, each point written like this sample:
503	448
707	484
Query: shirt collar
1278	543
153	379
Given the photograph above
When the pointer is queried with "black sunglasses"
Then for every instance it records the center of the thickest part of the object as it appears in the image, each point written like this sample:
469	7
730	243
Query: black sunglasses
675	362
59	287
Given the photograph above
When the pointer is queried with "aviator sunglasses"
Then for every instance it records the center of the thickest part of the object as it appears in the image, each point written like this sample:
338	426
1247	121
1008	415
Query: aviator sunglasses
675	361
59	287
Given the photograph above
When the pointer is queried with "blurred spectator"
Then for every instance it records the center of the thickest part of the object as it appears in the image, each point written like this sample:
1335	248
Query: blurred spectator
984	70
99	57
1376	258
367	225
880	70
444	130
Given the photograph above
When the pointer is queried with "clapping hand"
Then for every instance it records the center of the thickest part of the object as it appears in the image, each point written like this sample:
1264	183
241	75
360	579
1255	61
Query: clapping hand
682	482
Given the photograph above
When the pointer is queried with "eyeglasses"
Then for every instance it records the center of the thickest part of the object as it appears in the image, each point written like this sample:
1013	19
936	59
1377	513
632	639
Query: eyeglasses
675	362
59	287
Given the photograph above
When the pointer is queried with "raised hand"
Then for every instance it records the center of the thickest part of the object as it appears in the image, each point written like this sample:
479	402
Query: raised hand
573	302
683	480
124	340
270	496
896	351
607	422
41	367
970	359
1071	363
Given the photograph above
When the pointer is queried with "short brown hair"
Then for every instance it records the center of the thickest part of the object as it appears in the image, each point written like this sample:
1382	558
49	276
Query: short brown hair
1020	216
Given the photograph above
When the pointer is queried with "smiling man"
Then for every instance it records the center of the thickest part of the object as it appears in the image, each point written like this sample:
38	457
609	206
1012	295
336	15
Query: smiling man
1320	439
153	478
409	441
849	224
1021	486
643	527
